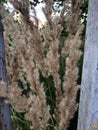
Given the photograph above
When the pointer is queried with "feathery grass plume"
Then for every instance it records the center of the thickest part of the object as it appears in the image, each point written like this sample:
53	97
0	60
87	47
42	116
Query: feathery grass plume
48	11
21	63
68	104
22	6
65	6
32	28
94	127
17	100
37	104
14	93
38	111
25	53
52	34
75	12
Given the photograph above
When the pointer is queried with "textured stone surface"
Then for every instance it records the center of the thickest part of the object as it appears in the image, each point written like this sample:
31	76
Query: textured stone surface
88	108
5	119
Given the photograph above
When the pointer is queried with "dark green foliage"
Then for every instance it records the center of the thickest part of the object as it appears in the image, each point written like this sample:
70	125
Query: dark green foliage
84	11
3	1
62	68
10	38
73	123
64	31
18	121
25	87
34	2
50	98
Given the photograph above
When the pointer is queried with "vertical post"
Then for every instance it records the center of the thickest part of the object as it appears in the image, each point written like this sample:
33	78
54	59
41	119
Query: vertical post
88	107
5	118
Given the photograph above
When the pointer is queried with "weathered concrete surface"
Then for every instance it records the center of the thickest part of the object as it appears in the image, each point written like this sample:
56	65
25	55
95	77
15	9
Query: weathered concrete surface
5	118
88	107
